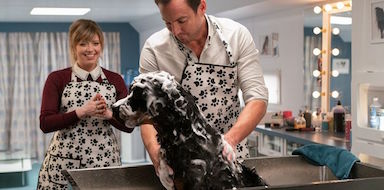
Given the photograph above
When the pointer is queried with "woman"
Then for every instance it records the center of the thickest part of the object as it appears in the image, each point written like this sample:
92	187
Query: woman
76	106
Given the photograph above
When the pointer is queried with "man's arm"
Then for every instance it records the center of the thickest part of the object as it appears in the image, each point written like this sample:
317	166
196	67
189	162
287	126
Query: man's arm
247	121
148	134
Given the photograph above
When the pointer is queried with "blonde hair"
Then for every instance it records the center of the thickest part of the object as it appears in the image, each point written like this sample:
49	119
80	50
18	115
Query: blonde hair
83	30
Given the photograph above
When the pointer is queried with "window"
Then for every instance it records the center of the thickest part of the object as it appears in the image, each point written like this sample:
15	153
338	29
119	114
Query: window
272	81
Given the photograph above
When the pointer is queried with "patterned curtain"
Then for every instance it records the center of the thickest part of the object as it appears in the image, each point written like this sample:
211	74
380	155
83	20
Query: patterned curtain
26	59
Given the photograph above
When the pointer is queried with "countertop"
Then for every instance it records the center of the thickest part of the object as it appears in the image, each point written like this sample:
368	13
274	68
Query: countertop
307	137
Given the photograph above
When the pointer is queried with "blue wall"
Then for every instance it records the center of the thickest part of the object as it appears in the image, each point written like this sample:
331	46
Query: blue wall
129	37
342	83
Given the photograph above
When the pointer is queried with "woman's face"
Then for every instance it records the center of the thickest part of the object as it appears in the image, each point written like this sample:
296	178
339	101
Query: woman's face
88	53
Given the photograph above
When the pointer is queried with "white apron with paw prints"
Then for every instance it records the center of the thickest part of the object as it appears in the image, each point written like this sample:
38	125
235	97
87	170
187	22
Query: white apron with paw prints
90	143
215	89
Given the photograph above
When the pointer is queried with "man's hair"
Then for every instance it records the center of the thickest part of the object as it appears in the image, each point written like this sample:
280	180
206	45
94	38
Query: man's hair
194	4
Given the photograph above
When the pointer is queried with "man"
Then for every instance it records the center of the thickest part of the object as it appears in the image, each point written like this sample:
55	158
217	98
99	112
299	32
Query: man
212	58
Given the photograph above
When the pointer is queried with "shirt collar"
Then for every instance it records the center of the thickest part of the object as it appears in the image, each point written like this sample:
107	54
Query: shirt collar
210	29
83	74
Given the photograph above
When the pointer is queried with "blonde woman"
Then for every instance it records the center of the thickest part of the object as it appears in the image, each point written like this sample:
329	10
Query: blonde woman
76	107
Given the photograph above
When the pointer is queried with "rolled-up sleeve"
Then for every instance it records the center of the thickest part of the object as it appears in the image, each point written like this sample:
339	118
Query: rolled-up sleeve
250	74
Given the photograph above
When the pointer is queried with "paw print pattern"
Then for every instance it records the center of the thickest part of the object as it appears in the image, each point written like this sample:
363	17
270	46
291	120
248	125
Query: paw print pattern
187	75
221	73
199	71
203	93
81	140
211	81
67	93
213	91
87	87
198	82
79	102
215	102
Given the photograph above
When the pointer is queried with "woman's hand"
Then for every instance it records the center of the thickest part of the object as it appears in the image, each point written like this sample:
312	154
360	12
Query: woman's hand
94	107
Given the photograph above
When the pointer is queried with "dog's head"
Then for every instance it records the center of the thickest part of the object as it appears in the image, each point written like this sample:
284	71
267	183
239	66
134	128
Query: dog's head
151	94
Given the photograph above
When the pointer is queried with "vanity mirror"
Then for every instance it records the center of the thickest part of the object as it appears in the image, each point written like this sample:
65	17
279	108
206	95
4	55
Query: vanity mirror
327	55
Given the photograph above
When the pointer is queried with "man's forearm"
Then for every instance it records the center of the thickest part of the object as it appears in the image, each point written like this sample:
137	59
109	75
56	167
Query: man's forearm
148	134
247	121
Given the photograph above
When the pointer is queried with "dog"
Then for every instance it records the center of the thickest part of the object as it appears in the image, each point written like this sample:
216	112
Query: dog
188	144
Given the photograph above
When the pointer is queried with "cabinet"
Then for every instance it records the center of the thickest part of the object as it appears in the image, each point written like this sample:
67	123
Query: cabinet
366	140
278	142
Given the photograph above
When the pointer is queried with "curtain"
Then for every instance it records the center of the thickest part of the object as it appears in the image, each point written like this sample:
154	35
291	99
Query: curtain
311	63
26	59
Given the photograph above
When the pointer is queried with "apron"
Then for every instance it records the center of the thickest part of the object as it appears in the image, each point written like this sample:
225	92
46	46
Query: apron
215	90
90	143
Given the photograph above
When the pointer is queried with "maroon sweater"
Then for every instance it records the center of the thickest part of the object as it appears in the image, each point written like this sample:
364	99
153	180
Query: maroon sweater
51	119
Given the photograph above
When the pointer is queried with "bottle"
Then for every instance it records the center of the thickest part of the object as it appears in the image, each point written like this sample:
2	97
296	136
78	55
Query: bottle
324	123
381	125
299	121
308	118
339	118
374	109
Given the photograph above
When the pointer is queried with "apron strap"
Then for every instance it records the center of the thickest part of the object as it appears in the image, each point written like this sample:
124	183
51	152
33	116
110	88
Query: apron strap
187	52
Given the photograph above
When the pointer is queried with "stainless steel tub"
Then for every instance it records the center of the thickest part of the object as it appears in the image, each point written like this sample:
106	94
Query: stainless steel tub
291	172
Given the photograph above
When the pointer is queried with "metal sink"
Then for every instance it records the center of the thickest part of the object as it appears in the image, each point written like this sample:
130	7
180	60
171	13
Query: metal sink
291	172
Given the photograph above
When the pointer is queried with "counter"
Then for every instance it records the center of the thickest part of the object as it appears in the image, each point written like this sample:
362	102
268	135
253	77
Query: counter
279	142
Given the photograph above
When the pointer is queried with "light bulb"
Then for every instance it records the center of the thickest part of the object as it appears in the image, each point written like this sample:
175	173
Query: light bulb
316	51
335	94
316	30
317	10
340	5
335	73
328	7
316	73
335	52
335	31
315	94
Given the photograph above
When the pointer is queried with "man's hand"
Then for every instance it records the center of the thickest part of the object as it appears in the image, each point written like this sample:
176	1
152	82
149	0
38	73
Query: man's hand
229	152
165	173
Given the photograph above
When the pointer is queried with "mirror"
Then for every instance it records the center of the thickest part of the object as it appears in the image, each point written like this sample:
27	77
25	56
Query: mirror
327	56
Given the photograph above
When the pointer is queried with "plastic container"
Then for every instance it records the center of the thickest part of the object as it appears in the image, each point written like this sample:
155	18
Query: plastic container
381	119
339	118
374	110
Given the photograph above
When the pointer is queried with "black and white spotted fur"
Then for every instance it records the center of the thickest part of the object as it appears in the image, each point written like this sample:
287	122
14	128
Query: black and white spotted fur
190	146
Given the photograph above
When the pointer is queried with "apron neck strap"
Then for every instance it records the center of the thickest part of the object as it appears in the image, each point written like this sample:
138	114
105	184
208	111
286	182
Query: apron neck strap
227	47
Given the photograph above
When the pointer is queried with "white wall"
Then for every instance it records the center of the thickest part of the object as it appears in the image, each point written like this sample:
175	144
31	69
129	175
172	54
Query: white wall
290	27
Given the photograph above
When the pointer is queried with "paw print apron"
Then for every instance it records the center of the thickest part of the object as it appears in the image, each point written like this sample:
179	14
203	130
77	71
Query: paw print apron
90	143
215	90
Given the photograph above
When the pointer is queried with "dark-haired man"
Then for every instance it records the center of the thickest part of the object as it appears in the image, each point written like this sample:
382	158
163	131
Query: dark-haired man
212	58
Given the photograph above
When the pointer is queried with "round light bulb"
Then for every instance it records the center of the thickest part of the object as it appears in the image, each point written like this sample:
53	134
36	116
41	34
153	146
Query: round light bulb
327	7
315	94
335	31
317	10
335	52
335	73
316	51
340	5
316	30
316	73
335	94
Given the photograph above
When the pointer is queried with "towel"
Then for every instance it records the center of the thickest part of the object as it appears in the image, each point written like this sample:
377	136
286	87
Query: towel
339	160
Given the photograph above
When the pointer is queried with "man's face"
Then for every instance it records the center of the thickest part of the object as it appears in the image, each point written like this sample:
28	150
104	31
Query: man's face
182	21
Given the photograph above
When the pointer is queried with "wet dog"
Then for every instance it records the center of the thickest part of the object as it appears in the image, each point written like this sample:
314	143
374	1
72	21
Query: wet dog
189	145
